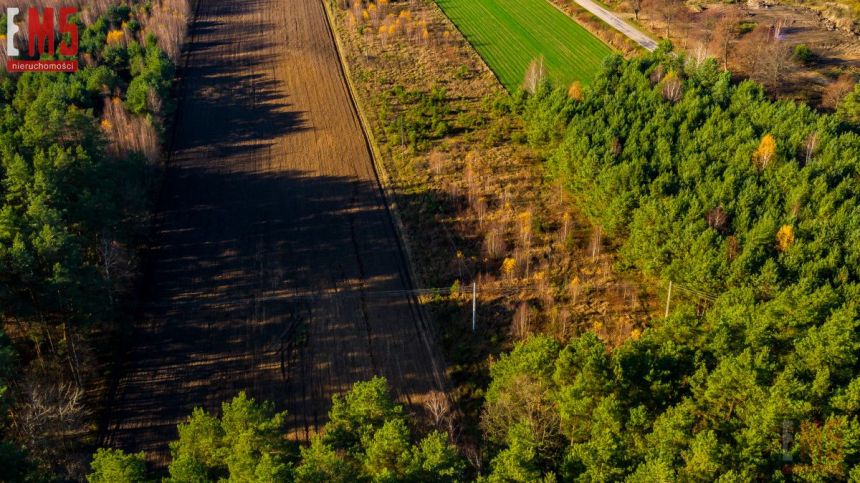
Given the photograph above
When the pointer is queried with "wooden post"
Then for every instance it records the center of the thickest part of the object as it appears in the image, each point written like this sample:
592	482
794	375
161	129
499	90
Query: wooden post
474	304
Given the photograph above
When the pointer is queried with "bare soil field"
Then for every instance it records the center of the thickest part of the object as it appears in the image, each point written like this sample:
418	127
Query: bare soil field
275	267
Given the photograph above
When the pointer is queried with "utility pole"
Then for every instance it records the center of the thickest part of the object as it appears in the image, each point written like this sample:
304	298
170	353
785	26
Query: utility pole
474	304
668	298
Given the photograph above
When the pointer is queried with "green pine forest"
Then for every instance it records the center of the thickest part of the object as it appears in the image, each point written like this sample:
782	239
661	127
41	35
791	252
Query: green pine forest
709	184
367	438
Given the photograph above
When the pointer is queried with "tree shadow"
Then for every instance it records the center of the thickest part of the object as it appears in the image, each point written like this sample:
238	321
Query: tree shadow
261	276
289	286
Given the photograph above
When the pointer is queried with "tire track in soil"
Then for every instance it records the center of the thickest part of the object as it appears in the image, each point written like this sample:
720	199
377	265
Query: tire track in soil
270	205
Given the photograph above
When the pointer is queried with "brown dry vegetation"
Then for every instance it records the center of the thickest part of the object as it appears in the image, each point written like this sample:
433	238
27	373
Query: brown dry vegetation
757	43
56	396
168	21
66	371
127	133
474	201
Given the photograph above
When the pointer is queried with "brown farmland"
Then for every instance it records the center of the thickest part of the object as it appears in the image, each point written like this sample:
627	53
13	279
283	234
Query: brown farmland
275	267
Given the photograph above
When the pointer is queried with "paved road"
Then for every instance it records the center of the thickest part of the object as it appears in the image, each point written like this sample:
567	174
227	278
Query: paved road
275	267
618	24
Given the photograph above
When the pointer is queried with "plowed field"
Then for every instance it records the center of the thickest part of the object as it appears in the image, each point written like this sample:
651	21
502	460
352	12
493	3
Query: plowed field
275	267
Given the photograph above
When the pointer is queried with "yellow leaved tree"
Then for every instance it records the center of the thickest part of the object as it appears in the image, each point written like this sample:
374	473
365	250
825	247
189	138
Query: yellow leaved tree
785	237
575	91
508	267
765	152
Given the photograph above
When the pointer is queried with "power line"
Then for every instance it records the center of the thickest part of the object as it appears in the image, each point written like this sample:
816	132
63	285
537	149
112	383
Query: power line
338	294
695	292
297	296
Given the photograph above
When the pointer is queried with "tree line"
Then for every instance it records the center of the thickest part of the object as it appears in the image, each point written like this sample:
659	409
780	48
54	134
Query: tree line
367	438
74	205
694	178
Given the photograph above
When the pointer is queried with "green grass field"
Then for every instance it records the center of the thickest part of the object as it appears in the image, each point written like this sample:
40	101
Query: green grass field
510	33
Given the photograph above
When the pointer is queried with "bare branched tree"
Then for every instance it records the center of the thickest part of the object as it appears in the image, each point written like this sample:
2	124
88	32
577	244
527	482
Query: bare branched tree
48	420
595	242
836	91
439	408
168	21
764	57
673	88
636	5
437	162
810	145
535	75
566	228
129	133
718	219
521	326
666	10
480	207
474	456
525	401
724	36
494	241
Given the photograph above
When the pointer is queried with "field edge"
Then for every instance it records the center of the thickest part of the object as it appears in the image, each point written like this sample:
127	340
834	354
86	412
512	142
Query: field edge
387	191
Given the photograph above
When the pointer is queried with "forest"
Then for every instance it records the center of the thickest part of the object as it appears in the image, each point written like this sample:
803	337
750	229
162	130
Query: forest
77	153
750	203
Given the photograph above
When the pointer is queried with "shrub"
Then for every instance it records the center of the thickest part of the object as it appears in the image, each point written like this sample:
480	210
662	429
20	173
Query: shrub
746	27
803	54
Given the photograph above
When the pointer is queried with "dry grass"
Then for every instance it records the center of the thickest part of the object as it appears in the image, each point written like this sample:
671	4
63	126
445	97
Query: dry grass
475	207
743	40
169	23
475	204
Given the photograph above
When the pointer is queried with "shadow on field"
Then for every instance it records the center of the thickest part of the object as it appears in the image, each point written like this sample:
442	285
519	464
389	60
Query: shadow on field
265	273
284	285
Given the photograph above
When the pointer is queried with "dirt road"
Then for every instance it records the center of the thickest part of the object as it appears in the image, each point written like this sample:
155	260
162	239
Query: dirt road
618	24
275	267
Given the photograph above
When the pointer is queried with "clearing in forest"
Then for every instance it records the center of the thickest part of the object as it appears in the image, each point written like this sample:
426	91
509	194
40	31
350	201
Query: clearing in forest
509	34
